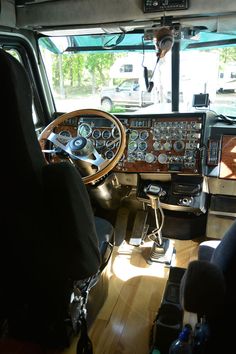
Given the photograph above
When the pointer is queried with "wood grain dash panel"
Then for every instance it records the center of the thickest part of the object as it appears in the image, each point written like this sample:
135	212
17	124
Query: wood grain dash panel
228	157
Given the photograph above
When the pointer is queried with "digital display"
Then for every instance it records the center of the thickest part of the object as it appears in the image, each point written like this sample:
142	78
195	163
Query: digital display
166	5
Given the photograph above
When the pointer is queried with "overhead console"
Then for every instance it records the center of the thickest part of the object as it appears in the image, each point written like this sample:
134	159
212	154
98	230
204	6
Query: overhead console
168	143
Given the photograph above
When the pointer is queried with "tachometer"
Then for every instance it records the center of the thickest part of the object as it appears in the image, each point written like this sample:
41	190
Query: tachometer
84	130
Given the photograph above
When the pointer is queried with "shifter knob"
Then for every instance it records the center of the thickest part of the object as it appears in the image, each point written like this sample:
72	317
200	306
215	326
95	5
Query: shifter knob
153	192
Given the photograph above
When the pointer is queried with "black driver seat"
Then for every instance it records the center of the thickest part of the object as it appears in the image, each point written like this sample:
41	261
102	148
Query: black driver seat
52	240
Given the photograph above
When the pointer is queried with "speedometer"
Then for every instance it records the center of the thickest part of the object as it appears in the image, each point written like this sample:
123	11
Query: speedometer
84	130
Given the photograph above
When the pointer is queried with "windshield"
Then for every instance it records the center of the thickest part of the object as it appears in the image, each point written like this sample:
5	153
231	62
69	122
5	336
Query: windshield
120	73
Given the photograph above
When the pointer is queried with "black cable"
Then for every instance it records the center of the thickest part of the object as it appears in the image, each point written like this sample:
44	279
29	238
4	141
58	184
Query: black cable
119	39
226	119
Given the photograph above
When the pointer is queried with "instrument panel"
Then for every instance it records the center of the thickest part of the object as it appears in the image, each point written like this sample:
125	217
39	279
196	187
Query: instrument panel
157	143
163	144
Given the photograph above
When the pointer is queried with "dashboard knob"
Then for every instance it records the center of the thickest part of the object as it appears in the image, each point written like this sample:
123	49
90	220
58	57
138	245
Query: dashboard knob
149	157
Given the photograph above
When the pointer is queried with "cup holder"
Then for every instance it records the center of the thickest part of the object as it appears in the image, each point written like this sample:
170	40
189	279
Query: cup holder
170	315
169	320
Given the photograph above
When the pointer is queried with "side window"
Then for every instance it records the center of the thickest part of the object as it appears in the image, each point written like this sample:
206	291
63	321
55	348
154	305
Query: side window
126	68
15	53
233	75
126	86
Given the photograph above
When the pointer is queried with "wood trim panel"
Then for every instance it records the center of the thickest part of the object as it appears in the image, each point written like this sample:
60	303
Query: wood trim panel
228	157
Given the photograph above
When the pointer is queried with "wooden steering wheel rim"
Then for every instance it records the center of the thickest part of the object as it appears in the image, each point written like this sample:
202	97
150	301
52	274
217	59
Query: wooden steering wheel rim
97	114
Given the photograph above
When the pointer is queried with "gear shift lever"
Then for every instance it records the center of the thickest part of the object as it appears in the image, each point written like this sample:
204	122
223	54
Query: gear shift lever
154	193
162	250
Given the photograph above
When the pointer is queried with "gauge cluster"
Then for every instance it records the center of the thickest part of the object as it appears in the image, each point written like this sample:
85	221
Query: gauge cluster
164	143
155	143
100	132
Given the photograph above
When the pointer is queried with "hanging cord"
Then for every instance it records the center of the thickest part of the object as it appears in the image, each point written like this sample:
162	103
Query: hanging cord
84	345
119	39
155	234
149	84
226	119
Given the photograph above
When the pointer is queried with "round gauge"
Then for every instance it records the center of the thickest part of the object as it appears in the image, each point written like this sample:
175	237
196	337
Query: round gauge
84	130
115	133
132	146
149	158
65	133
110	144
179	145
167	146
133	135
106	134
142	145
162	158
157	146
96	134
143	135
99	144
109	154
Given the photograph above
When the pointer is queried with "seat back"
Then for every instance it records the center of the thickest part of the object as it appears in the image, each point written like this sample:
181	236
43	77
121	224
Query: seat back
50	239
208	289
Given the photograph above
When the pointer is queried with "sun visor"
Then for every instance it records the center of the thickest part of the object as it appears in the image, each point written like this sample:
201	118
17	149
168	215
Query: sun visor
7	13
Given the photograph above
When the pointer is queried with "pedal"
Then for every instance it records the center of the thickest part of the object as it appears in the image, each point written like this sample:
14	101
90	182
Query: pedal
121	225
139	229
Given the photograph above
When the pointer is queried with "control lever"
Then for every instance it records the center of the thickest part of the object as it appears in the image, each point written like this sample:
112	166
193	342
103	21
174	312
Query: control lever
162	250
154	192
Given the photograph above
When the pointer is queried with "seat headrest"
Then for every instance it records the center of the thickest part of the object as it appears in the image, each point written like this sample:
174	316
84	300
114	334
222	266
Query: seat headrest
21	141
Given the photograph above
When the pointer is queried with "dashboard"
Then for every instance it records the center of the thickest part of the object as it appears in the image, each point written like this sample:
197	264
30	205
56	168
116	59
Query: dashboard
168	143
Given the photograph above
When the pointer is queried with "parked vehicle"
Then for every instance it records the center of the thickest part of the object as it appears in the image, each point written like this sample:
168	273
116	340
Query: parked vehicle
227	79
128	94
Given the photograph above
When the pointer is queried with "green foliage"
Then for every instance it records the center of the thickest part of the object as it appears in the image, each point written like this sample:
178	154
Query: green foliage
227	54
87	72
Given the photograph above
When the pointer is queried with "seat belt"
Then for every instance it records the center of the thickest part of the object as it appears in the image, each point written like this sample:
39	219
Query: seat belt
84	345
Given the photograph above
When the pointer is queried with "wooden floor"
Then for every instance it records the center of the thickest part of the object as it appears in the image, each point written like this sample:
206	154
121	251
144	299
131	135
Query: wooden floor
123	325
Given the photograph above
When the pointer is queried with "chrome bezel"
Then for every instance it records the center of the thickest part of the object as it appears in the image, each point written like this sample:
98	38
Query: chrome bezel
82	125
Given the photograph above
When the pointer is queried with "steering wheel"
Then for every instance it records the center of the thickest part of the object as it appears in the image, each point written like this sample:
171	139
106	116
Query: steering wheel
78	148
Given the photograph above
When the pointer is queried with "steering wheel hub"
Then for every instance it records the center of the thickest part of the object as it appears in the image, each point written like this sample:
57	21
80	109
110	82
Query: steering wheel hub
77	143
